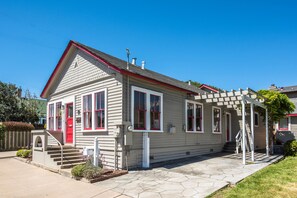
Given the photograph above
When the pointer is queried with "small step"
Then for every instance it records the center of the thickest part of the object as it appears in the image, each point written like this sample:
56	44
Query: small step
78	156
64	166
65	154
71	161
64	151
51	148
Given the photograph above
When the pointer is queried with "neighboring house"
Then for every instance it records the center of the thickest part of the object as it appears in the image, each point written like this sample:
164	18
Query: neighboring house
208	88
41	110
142	116
287	127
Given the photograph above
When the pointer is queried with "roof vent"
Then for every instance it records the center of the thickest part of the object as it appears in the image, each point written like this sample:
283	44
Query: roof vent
142	64
134	61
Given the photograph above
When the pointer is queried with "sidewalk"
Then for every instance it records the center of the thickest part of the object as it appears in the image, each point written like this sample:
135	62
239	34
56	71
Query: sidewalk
18	179
7	154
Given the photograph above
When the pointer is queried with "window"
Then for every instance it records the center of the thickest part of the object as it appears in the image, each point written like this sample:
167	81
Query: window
87	112
283	124
155	112
194	117
94	111
59	116
216	120
256	119
51	116
147	109
100	110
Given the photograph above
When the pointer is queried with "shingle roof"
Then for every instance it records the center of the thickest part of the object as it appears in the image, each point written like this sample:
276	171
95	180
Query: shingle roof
122	65
288	89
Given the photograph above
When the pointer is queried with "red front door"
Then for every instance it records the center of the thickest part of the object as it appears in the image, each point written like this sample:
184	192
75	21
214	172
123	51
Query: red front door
69	123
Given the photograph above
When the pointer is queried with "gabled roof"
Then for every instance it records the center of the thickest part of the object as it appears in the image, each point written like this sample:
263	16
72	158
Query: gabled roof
121	67
288	89
210	88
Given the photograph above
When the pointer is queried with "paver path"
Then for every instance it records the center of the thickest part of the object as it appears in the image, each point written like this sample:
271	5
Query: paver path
197	177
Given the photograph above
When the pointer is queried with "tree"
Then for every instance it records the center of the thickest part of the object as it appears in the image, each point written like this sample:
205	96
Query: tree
278	106
13	107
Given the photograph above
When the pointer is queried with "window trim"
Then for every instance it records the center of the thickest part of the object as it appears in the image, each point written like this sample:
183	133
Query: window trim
93	111
53	117
147	112
186	116
212	113
288	123
57	116
258	120
55	113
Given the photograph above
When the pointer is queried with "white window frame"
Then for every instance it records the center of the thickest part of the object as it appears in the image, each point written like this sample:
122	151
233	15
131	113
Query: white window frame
289	125
186	116
212	124
147	115
93	111
55	113
256	113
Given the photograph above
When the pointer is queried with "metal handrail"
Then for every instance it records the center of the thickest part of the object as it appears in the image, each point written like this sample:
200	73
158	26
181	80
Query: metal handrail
59	143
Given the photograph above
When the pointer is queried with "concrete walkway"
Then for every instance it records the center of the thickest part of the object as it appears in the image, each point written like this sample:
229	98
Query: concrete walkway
18	179
7	154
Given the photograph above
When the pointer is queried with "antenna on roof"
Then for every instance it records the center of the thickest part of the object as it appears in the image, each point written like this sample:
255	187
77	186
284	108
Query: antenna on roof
128	56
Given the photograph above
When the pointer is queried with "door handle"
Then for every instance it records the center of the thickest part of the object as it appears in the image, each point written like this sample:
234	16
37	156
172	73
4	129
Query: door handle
70	125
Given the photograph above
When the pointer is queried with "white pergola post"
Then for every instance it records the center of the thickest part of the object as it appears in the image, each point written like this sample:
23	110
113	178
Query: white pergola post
252	130
267	135
243	129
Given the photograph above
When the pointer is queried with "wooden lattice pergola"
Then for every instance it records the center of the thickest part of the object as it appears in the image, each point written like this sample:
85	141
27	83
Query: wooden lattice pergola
233	99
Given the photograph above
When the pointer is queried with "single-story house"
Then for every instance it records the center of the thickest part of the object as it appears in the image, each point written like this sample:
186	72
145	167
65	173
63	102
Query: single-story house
139	116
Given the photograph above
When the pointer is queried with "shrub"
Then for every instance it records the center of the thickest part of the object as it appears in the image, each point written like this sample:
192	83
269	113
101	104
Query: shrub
91	172
18	126
2	131
290	148
86	170
24	153
78	170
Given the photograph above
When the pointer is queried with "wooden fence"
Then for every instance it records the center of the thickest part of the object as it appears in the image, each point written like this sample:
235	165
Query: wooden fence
14	140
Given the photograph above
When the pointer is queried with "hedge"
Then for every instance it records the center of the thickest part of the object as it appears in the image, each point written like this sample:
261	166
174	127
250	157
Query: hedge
17	126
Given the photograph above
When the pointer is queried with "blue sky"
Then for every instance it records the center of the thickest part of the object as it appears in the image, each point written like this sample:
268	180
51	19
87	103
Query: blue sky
228	44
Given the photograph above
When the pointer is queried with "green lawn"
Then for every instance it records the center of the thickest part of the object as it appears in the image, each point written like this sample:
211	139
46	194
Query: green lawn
276	180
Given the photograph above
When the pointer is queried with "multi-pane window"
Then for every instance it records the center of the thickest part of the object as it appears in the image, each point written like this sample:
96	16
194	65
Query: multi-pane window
87	112
216	120
283	124
100	110
194	117
59	116
155	112
139	110
146	110
51	117
94	111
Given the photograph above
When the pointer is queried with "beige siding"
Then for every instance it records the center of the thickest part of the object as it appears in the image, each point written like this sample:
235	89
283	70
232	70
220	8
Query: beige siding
166	146
89	76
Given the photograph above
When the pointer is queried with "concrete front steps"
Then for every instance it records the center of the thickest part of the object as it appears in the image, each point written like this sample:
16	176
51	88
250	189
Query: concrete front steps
71	156
229	147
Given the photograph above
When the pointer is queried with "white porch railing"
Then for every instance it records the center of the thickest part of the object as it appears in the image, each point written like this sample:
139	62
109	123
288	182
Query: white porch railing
239	141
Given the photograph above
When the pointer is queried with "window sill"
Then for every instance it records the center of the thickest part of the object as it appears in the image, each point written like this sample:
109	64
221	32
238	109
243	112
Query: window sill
147	131
90	130
194	131
217	133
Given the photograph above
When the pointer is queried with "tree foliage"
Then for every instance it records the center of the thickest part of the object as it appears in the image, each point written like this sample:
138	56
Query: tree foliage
13	107
278	106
